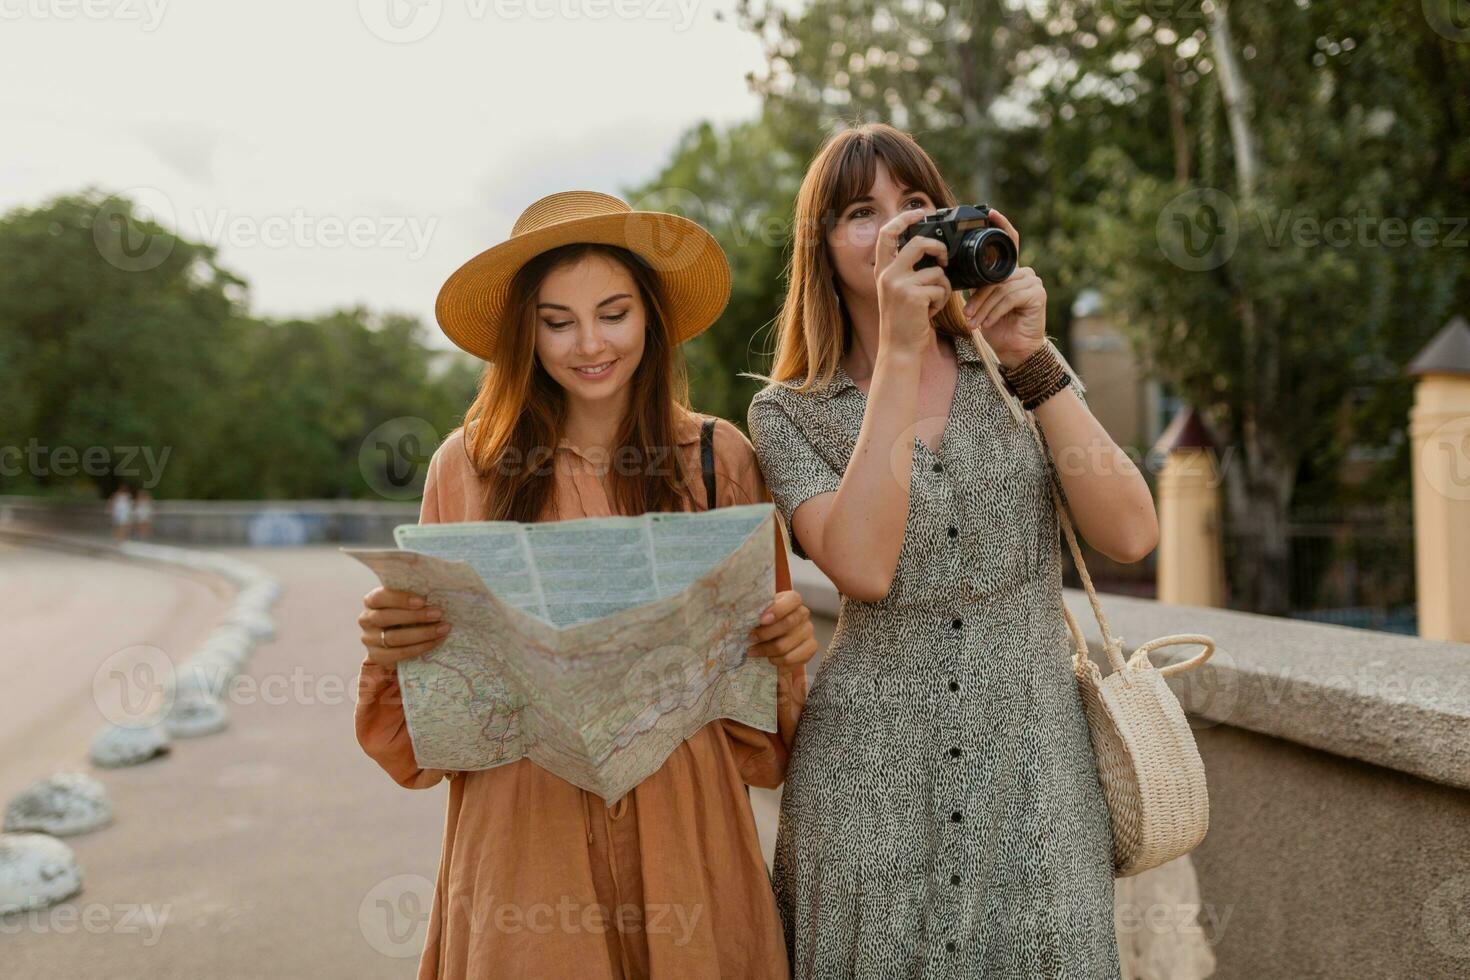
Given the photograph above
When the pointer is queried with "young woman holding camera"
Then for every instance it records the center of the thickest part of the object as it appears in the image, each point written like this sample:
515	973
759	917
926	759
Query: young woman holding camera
942	815
581	413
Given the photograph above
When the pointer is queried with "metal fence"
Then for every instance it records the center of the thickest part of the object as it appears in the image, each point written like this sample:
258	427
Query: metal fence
1351	568
1346	567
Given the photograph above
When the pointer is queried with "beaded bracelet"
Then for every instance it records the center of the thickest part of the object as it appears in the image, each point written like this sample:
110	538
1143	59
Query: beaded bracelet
1036	378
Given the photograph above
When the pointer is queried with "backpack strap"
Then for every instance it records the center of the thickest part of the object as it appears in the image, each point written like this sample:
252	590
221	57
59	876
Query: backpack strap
707	468
707	461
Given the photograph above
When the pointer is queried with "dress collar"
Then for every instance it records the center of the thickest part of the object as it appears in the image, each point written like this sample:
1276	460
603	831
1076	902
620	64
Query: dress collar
686	432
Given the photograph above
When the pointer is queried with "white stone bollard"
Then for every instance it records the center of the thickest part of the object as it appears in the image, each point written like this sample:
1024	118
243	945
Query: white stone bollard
61	805
36	870
196	713
120	745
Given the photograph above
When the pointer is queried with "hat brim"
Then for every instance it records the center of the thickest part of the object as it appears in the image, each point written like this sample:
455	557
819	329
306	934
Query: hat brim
472	304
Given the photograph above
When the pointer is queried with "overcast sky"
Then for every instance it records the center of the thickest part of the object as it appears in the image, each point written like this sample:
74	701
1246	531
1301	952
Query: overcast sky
355	151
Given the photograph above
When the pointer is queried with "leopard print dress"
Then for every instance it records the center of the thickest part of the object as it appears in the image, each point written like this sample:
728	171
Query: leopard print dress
942	815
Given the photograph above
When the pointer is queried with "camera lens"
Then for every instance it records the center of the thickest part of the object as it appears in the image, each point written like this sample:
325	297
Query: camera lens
987	255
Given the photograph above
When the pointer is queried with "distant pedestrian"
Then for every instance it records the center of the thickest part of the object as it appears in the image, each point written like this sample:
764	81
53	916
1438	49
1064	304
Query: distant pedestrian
120	506
143	514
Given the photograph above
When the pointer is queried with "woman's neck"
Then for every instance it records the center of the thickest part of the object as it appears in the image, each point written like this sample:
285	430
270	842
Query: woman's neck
862	354
590	426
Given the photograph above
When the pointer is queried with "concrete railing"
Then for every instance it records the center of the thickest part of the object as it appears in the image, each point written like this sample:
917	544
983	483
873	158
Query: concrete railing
1338	763
228	521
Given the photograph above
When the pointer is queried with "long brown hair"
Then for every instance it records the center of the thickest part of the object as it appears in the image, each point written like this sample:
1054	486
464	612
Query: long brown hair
515	423
813	330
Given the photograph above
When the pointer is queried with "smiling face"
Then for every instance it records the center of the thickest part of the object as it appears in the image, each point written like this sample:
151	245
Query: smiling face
590	330
852	239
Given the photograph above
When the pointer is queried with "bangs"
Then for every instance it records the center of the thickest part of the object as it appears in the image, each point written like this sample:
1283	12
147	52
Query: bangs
856	166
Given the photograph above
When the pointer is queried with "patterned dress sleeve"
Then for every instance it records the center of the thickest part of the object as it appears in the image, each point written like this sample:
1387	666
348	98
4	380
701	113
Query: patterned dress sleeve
382	730
760	756
793	470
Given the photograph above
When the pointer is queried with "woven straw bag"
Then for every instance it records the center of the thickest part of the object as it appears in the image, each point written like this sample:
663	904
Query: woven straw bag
1147	760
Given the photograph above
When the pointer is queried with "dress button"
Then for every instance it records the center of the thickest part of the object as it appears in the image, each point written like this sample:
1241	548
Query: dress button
958	623
950	946
938	467
954	532
954	753
954	879
956	817
954	685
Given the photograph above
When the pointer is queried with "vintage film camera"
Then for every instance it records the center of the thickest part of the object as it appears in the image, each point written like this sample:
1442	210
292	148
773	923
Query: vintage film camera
980	254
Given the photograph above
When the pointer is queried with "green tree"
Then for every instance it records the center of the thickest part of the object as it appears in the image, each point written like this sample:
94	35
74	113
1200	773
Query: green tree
116	335
1277	286
739	185
1179	157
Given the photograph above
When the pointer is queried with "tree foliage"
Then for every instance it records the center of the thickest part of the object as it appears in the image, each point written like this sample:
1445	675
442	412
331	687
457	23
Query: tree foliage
1256	240
117	338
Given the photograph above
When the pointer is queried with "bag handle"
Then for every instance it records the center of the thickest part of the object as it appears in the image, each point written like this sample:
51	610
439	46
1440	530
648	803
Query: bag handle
1111	644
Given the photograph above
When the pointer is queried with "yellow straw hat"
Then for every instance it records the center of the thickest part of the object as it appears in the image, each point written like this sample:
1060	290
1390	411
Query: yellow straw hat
687	260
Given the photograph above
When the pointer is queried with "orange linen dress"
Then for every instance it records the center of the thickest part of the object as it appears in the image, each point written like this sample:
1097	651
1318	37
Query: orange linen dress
538	878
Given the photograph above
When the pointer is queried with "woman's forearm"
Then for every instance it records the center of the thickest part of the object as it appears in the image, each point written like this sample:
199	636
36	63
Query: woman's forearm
1110	501
860	531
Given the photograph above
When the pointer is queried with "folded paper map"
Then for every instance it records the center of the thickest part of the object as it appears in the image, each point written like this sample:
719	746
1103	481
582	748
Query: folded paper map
592	647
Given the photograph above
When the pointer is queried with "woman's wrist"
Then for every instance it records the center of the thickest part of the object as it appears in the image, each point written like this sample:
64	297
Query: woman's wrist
892	357
1037	377
1014	360
895	345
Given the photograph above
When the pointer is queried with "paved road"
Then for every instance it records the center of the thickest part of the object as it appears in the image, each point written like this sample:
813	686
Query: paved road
66	617
275	849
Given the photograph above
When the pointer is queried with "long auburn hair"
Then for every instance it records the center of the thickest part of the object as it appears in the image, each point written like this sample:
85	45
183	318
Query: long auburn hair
813	330
515	423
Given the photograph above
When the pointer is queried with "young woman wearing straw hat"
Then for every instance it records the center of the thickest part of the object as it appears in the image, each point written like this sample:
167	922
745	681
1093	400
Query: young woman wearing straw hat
943	814
581	413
